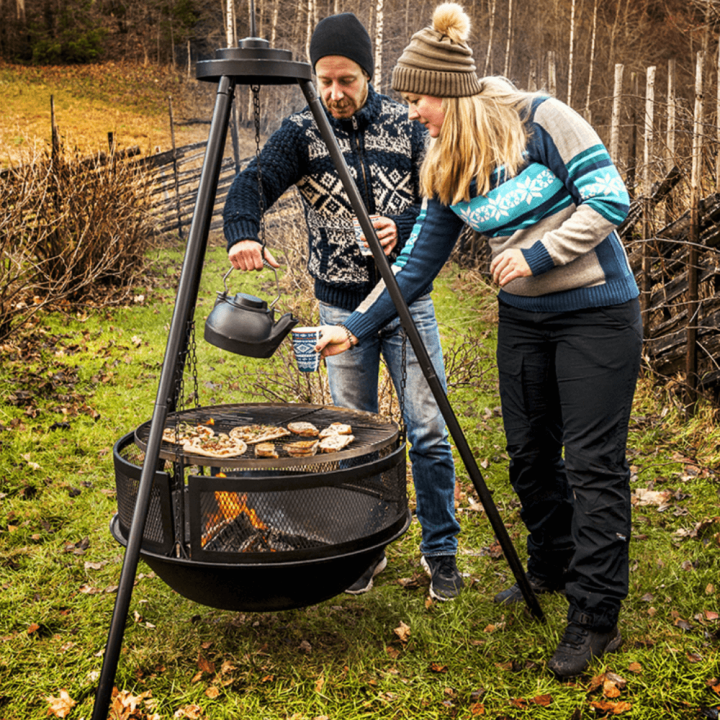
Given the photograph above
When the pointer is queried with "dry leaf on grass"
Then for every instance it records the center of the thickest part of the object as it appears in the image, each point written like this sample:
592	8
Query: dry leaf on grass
403	632
616	708
60	706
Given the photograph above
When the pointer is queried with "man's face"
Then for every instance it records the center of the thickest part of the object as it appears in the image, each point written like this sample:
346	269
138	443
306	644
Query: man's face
343	85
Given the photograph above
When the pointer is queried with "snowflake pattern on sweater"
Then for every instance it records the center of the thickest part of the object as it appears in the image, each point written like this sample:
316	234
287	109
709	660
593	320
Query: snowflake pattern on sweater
382	149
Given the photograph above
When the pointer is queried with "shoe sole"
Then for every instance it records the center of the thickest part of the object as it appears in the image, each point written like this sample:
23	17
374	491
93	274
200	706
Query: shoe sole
433	594
378	569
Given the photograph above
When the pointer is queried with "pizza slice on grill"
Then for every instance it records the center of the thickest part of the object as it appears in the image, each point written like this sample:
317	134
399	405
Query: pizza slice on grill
218	446
252	434
334	443
186	433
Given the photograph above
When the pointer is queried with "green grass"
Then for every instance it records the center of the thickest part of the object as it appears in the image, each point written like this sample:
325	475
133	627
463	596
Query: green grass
92	378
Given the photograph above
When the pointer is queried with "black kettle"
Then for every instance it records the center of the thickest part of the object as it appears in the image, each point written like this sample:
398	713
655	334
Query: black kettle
244	324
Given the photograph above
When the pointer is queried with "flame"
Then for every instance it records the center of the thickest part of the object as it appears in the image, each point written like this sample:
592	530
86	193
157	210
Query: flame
229	509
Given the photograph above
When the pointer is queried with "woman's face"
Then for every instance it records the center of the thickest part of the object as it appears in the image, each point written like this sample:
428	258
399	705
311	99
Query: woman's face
427	110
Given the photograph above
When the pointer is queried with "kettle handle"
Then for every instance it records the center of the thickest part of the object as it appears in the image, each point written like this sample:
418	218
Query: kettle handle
265	264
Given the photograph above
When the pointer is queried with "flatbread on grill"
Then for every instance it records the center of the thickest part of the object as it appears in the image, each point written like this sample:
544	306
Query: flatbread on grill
219	446
252	434
303	448
265	450
334	443
336	428
304	429
186	433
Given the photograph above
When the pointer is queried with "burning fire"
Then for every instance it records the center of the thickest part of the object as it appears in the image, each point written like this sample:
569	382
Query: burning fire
229	509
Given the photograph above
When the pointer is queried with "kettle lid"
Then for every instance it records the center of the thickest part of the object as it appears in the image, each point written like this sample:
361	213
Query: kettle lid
245	300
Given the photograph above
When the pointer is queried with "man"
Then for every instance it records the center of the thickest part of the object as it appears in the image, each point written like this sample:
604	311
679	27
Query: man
383	150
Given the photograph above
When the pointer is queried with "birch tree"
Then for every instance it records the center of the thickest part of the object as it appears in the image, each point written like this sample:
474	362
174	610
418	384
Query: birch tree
379	21
508	45
571	51
488	55
592	62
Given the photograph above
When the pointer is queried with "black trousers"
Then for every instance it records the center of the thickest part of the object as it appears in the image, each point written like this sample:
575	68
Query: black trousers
567	382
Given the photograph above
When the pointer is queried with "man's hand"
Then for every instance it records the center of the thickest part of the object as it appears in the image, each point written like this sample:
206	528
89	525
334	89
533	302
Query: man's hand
509	265
386	230
247	255
333	340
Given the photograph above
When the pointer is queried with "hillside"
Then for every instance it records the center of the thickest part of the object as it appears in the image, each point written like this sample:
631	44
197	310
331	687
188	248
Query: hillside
129	100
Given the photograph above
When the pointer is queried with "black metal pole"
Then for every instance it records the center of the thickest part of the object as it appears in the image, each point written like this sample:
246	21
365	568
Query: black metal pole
177	340
420	350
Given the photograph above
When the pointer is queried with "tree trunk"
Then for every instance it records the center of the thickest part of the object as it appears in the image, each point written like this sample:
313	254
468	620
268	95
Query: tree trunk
571	53
508	45
615	122
588	115
379	21
488	55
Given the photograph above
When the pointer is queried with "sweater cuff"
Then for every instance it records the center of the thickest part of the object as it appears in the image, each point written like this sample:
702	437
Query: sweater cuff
358	325
241	230
538	258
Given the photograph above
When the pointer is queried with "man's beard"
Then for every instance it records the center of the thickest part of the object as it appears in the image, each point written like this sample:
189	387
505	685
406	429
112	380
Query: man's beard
346	107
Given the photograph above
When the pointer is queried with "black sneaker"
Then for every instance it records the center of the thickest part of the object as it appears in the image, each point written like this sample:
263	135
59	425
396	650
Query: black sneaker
365	582
540	586
578	646
445	580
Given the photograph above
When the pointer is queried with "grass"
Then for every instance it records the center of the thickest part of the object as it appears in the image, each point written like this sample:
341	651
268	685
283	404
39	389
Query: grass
90	101
75	383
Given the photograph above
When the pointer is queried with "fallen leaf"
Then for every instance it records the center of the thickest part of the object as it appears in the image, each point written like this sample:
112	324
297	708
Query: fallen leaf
616	708
33	627
393	653
635	667
643	496
693	657
477	709
305	646
542	700
60	706
319	684
610	689
437	668
192	712
711	615
205	665
212	692
403	632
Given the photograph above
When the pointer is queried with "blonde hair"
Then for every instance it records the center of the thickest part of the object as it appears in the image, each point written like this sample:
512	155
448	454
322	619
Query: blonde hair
480	134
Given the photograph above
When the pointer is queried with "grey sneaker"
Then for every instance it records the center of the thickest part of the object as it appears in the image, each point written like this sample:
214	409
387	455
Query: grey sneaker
445	580
578	646
540	586
365	582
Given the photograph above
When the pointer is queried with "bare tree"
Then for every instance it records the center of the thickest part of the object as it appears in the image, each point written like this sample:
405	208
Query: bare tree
379	23
508	46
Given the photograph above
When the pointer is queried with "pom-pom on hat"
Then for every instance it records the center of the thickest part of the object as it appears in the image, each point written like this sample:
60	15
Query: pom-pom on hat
344	35
438	60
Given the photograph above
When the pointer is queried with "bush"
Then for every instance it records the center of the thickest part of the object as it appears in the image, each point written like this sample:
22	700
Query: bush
72	231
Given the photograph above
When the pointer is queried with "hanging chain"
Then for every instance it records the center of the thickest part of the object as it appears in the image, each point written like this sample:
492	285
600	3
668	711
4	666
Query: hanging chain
192	357
403	384
261	198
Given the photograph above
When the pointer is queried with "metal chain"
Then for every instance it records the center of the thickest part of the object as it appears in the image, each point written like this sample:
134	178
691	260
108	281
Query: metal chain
193	363
261	199
403	383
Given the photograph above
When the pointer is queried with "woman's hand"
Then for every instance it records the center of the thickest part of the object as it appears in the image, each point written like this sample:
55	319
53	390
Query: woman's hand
386	231
509	265
247	255
334	340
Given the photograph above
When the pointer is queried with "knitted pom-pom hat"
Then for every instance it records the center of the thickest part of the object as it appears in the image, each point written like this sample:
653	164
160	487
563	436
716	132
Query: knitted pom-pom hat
438	60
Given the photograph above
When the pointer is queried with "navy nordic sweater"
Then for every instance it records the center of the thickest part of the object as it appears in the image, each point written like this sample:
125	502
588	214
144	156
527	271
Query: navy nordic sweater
383	150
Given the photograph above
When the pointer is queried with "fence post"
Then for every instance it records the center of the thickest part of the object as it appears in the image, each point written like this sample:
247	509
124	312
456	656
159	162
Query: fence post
693	306
670	135
645	279
175	169
632	145
615	122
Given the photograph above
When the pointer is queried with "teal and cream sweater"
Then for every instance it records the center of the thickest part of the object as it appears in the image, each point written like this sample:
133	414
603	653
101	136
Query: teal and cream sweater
560	210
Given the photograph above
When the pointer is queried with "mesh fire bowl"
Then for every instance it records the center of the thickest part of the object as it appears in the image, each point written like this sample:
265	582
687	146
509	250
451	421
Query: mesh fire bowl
265	534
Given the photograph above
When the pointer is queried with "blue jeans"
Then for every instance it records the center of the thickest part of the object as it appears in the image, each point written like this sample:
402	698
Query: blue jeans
567	382
353	378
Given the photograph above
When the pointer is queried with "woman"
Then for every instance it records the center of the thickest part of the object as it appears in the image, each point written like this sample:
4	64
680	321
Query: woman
532	176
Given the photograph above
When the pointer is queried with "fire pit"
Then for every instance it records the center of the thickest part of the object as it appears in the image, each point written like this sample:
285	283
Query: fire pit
265	534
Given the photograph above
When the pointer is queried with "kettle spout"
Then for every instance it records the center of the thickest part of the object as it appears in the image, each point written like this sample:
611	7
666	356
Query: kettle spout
281	328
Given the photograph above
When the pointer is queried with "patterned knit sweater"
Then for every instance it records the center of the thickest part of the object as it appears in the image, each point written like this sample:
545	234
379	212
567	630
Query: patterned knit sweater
383	150
561	210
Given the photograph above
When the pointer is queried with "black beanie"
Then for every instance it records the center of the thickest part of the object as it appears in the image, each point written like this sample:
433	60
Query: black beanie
344	35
